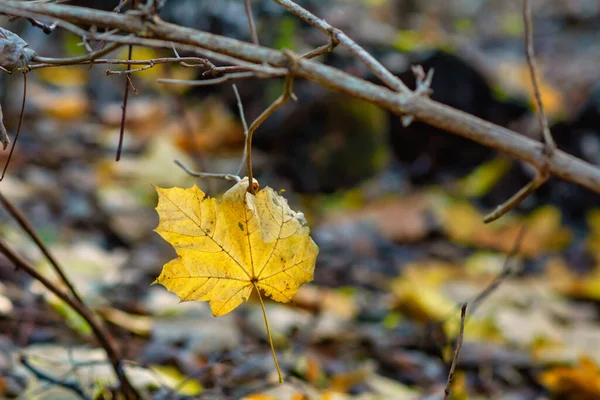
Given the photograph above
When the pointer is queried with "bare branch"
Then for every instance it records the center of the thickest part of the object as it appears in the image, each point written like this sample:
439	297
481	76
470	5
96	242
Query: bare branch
235	52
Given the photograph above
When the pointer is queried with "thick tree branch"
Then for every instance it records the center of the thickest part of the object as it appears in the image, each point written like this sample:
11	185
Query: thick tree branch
161	34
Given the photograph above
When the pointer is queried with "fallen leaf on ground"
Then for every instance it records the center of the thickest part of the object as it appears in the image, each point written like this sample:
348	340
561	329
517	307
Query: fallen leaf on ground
403	219
581	382
463	223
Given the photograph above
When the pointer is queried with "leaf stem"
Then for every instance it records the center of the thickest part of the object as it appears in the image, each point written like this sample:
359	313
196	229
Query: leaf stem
262	305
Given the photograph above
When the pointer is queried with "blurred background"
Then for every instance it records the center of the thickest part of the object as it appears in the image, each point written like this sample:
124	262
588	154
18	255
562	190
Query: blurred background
397	212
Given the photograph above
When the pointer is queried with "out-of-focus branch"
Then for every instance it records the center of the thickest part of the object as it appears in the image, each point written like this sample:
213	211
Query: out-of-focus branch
18	216
101	334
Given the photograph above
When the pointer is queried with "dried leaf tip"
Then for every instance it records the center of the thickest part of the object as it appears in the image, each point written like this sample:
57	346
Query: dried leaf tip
14	51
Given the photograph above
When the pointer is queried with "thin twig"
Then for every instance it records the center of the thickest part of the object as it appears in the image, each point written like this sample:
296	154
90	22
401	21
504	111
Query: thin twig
151	63
227	177
100	333
225	70
183	61
338	36
287	93
43	376
12	148
18	216
504	273
459	342
244	125
517	198
124	106
216	81
47	29
326	48
529	52
76	60
129	71
251	25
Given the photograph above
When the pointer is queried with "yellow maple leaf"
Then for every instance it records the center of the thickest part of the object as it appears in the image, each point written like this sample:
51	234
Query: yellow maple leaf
230	247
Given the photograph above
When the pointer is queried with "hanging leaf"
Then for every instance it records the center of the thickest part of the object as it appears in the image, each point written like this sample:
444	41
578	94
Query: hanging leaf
229	248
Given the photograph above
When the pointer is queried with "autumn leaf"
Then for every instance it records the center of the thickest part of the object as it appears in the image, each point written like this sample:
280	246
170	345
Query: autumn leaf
581	382
230	247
